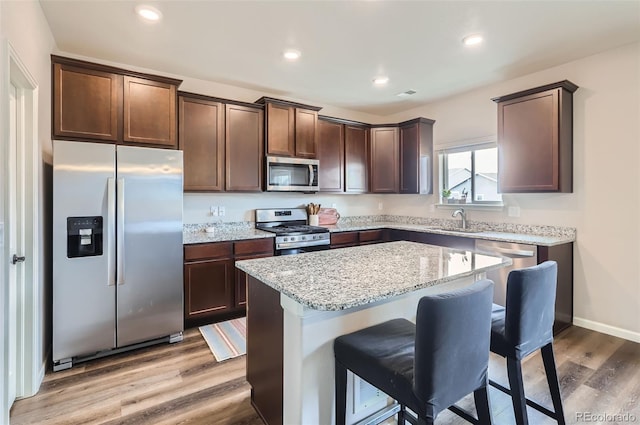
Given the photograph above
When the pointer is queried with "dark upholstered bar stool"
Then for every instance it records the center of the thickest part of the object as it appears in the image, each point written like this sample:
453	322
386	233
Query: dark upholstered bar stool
429	366
523	327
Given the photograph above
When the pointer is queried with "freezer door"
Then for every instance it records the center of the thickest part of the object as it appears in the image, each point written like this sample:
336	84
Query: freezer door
149	240
83	248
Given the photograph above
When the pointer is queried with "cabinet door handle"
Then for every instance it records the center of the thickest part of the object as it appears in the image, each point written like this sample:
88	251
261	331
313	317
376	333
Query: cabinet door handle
15	259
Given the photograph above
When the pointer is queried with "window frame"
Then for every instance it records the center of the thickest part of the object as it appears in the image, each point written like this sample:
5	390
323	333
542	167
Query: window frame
443	168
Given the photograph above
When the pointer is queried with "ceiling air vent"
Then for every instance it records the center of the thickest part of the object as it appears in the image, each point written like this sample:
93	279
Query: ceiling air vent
406	93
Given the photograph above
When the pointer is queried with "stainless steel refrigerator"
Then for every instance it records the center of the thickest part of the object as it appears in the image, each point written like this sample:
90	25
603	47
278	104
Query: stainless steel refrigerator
117	249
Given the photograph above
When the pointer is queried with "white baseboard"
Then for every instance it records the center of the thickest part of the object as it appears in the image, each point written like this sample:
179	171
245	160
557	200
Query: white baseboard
607	329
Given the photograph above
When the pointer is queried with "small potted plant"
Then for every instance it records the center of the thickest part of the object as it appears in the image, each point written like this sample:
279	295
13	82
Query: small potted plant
446	193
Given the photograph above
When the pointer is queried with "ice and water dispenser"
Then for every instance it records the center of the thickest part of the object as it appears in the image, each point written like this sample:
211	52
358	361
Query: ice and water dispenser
84	236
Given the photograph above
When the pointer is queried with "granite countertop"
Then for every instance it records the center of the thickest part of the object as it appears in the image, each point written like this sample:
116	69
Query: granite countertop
350	277
504	232
223	234
489	234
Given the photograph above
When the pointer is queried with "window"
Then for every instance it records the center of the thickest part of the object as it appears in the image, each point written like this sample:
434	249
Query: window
471	174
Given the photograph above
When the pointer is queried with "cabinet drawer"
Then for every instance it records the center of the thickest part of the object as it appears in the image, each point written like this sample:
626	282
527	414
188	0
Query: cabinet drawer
344	238
210	250
371	236
254	246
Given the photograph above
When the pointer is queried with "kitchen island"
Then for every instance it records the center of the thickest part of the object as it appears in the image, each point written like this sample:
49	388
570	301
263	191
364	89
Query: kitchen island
298	304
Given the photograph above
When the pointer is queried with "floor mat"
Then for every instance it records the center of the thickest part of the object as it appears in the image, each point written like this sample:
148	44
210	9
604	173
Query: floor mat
226	339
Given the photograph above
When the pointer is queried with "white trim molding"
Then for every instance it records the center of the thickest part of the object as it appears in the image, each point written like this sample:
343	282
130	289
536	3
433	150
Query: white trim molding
30	297
607	329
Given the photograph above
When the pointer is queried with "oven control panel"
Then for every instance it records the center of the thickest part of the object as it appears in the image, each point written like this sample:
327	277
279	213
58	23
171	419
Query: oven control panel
298	241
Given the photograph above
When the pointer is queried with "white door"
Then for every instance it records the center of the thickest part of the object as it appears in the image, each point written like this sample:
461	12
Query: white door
15	245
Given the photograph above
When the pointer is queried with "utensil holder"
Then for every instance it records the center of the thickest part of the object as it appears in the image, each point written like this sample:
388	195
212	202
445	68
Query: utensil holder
314	220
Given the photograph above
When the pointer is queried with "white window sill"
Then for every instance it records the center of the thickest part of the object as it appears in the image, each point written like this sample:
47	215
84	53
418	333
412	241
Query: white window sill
485	207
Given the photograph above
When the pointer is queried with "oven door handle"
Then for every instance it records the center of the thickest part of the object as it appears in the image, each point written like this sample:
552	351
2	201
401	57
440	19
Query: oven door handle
284	245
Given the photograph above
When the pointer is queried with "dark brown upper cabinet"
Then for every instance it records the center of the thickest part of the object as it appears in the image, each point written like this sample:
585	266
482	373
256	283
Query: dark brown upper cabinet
93	102
291	128
416	156
384	160
201	137
535	139
85	103
223	144
244	141
356	158
331	155
149	112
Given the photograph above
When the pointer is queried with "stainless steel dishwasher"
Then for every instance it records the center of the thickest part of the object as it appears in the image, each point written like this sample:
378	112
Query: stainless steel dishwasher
522	255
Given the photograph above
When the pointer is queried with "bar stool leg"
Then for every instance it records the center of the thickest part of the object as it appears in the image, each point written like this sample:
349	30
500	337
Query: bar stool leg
514	371
552	379
341	393
483	408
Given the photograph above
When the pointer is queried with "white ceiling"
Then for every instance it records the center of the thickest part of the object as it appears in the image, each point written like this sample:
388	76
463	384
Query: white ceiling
345	44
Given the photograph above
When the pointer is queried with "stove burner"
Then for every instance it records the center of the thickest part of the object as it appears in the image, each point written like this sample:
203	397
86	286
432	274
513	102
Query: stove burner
291	229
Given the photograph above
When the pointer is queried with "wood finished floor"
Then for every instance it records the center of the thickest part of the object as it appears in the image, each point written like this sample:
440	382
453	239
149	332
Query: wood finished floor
183	384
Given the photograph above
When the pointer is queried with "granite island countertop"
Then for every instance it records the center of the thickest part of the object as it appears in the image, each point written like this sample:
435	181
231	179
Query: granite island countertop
350	277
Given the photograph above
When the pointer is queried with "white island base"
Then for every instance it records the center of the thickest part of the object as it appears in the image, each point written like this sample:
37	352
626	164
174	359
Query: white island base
308	392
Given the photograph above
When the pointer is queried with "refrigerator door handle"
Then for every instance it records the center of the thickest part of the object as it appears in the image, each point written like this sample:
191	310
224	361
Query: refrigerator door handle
111	231
120	235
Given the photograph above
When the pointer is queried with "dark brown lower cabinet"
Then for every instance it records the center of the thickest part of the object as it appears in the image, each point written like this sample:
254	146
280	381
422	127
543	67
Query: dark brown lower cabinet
265	354
214	289
208	288
372	236
363	237
344	239
563	255
448	241
208	281
246	250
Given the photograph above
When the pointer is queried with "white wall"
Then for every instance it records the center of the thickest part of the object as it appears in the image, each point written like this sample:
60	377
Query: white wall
240	207
23	24
605	201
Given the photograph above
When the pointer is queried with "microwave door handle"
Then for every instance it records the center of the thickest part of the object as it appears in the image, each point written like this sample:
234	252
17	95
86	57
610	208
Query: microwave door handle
312	175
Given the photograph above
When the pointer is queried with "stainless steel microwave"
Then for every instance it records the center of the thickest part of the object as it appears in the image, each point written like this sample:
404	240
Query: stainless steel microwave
292	174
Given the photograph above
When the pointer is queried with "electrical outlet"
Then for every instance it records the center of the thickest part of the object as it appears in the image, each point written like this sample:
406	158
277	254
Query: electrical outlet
334	205
380	206
221	211
513	211
213	210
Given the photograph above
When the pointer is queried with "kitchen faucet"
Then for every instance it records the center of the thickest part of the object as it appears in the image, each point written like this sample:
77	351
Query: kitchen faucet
462	215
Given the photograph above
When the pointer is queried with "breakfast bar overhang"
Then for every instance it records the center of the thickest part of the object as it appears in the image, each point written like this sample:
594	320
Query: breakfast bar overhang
297	305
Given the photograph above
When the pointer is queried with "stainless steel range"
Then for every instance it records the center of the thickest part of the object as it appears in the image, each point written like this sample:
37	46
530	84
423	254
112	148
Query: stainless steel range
293	234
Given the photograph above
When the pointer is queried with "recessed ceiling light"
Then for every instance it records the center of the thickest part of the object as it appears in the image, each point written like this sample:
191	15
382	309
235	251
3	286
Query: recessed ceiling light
148	13
472	40
292	54
381	81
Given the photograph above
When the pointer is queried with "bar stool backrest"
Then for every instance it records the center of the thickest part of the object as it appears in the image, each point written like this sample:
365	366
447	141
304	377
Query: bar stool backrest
452	344
530	307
